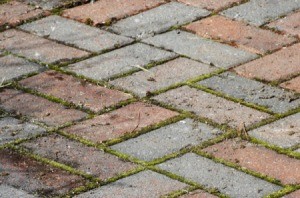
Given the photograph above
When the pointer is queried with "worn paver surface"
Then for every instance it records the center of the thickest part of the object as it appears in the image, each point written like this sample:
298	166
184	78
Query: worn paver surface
146	99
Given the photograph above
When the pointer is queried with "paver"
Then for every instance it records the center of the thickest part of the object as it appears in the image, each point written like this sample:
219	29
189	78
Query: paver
12	67
158	20
12	129
34	47
74	90
247	37
37	108
198	194
9	191
14	13
143	184
293	84
49	5
210	106
283	133
276	99
293	194
213	175
258	12
119	61
259	159
104	11
87	159
122	121
167	140
163	76
289	24
277	66
75	33
34	177
201	49
211	4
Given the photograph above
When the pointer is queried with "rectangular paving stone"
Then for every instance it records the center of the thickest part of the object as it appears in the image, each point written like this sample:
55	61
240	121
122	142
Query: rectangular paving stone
119	61
12	67
276	99
246	37
258	12
34	177
34	47
212	175
74	90
119	122
37	108
210	106
294	194
211	4
201	49
293	84
87	159
75	33
104	11
12	129
158	20
198	194
277	66
49	5
283	133
167	140
143	184
9	191
163	76
259	159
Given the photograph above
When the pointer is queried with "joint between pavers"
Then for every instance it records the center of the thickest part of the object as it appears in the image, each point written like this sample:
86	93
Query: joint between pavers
286	190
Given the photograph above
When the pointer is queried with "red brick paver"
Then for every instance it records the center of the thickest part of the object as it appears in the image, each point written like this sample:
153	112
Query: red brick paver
293	84
248	37
295	194
211	4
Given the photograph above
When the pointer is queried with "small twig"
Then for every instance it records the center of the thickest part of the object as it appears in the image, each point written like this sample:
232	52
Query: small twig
242	132
138	124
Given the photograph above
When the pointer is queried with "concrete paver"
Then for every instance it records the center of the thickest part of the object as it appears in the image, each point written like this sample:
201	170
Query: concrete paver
293	84
293	194
211	4
9	191
198	194
49	5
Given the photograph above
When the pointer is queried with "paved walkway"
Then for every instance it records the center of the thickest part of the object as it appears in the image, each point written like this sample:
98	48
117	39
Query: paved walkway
150	98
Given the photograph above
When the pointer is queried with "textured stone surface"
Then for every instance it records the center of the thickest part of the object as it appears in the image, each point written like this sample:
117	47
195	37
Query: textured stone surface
293	84
158	20
49	5
204	50
277	100
210	4
247	37
74	90
75	33
8	192
12	129
258	12
119	61
167	140
163	76
198	194
143	184
105	10
210	106
127	119
259	159
12	67
284	133
37	108
277	66
79	156
34	177
34	47
295	194
210	174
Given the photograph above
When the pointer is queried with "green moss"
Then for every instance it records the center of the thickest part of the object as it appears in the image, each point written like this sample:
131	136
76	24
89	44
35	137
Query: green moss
282	192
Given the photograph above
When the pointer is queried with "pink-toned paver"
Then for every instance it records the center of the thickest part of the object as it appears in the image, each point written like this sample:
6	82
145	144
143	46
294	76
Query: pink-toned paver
198	194
105	10
128	119
277	66
14	12
210	4
289	24
75	90
259	159
237	33
293	84
295	194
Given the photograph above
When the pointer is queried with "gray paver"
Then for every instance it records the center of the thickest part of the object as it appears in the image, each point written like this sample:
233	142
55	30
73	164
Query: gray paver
284	133
201	49
119	61
258	12
12	67
75	33
12	129
167	140
158	20
143	184
9	192
210	174
49	5
278	100
163	76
